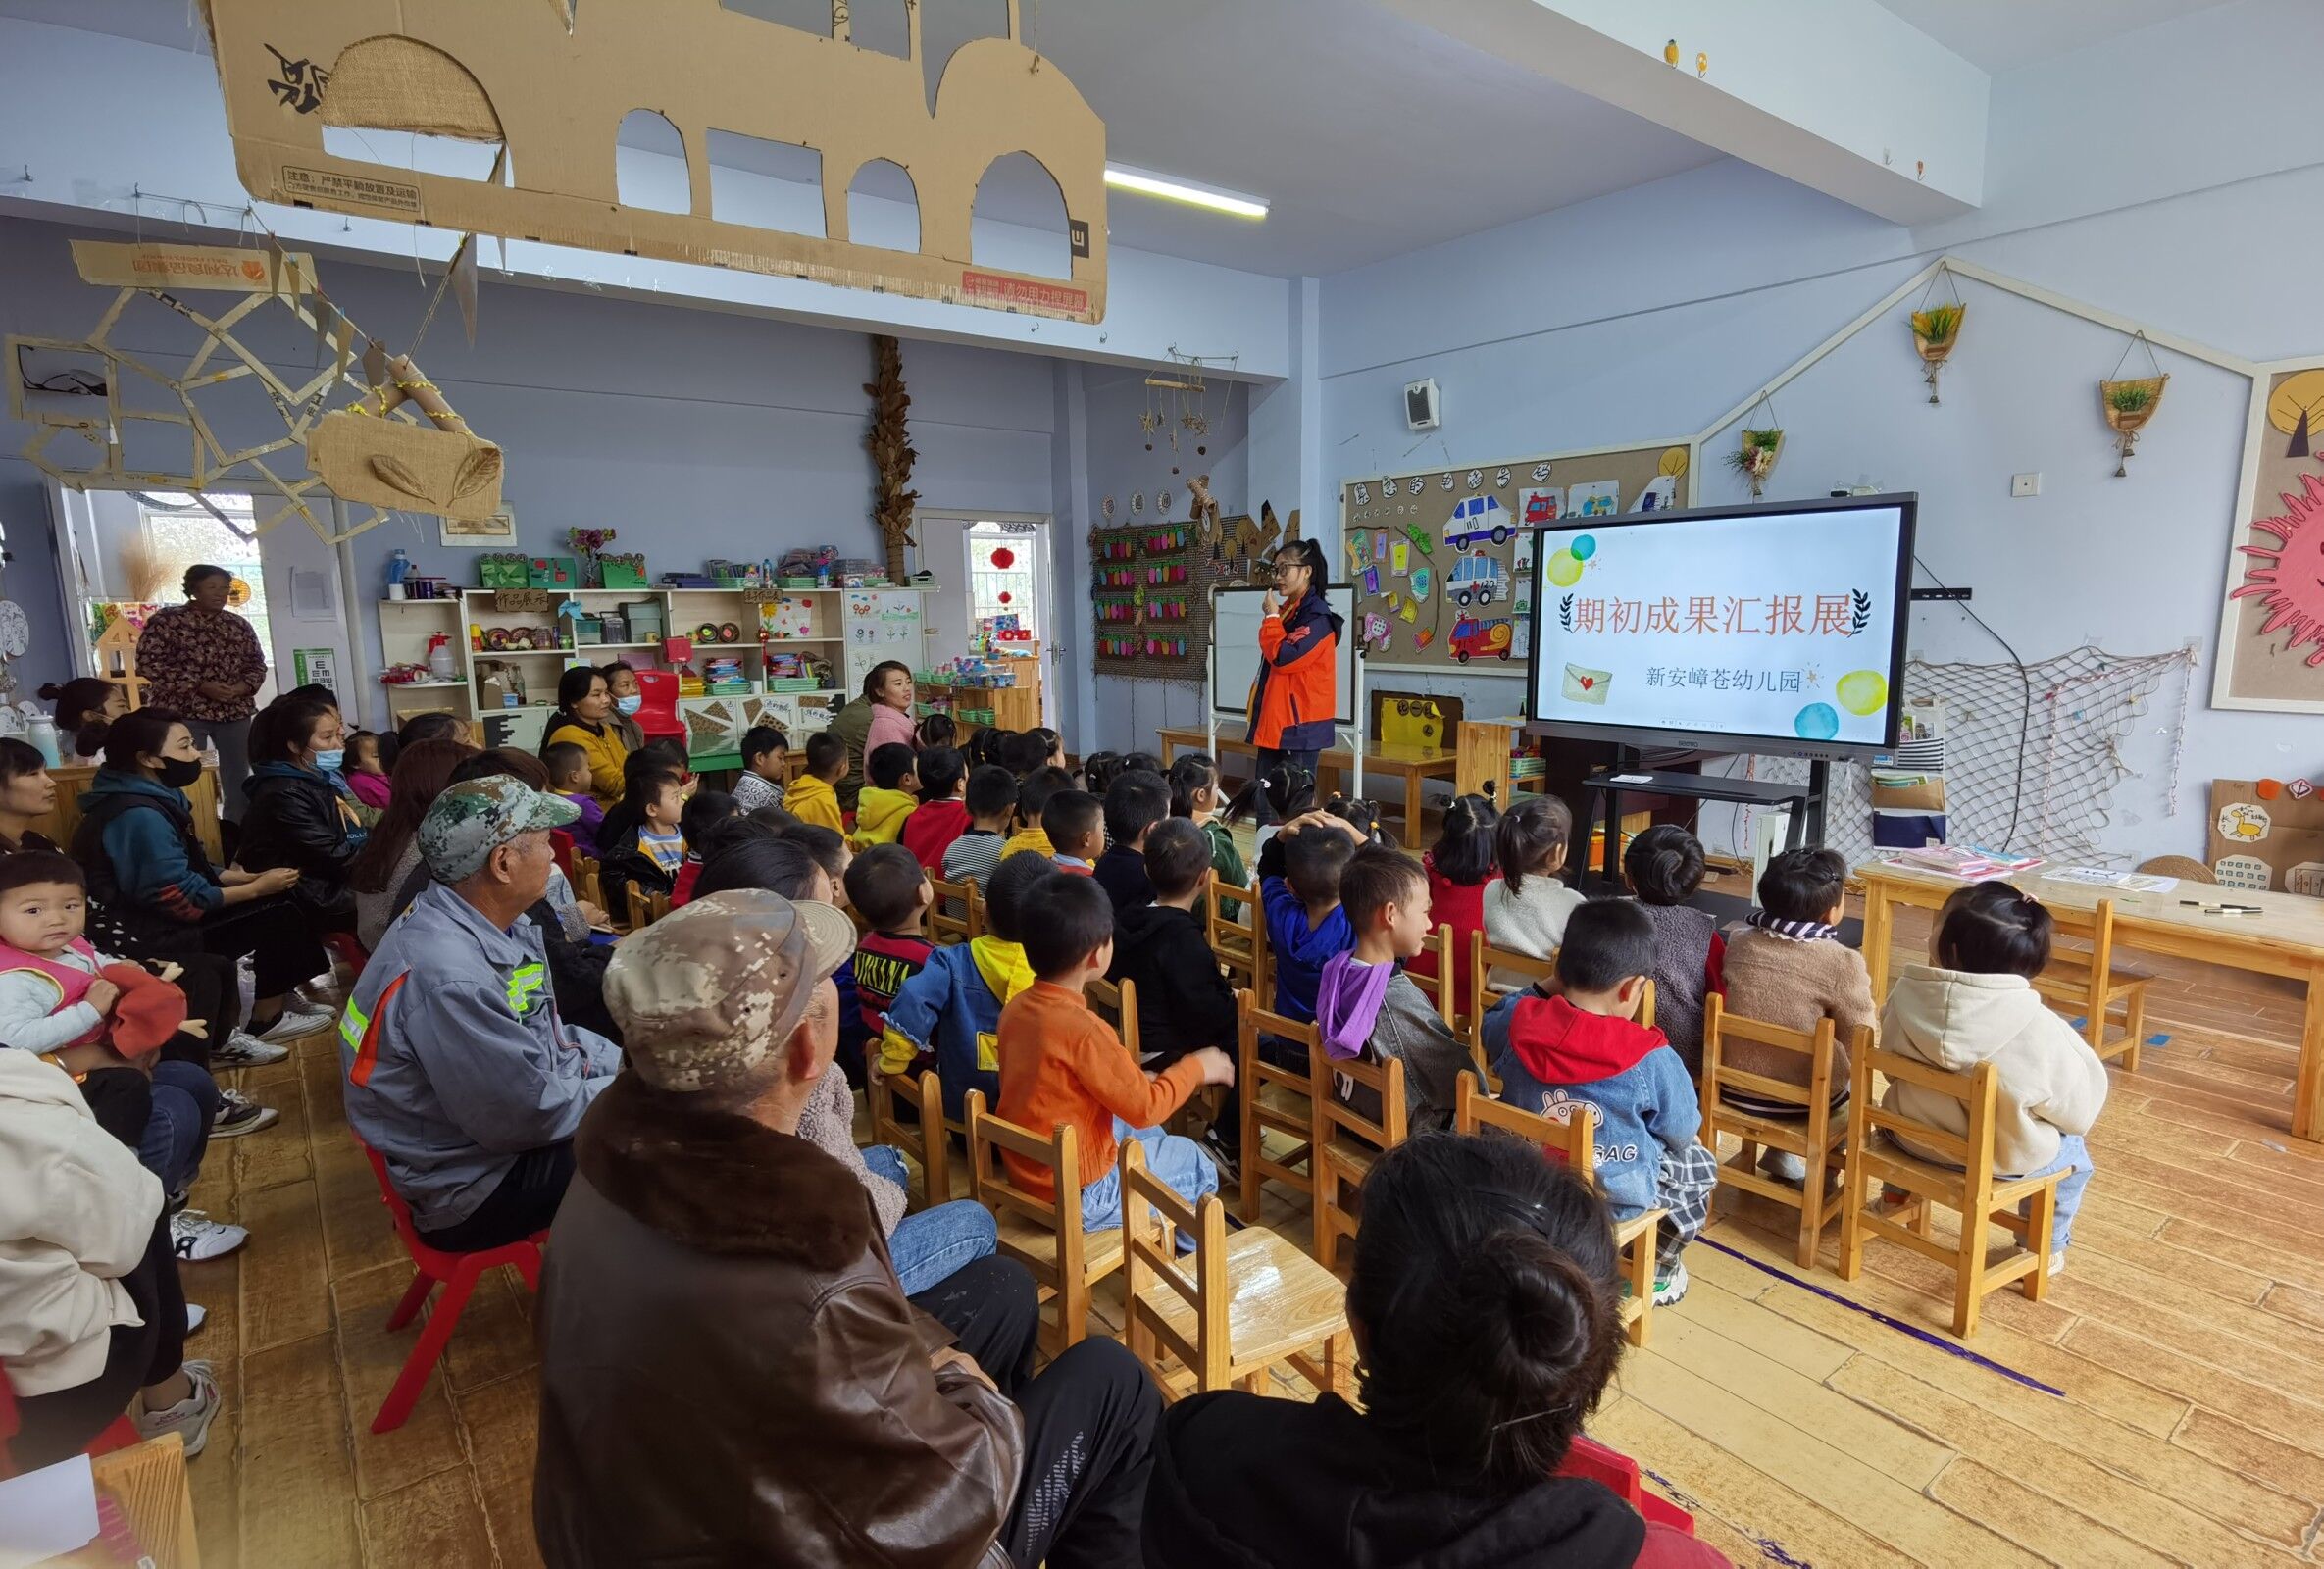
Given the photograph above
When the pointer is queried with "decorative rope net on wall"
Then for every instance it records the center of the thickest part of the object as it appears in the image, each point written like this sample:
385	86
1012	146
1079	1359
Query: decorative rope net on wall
2043	746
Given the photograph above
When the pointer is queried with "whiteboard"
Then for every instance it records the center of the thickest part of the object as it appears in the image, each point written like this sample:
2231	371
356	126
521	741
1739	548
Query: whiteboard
1235	614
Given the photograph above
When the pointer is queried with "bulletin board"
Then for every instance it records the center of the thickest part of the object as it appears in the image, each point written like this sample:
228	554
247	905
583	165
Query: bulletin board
2267	836
1441	560
1151	593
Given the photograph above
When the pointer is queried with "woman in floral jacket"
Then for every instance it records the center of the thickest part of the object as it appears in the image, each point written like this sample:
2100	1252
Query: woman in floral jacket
202	663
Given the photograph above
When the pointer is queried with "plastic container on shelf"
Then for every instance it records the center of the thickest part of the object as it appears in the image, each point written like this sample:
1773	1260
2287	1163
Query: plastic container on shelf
442	663
41	731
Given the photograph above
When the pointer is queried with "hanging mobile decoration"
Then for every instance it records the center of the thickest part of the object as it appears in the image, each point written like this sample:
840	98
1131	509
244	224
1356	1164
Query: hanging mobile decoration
1937	329
2128	404
1757	449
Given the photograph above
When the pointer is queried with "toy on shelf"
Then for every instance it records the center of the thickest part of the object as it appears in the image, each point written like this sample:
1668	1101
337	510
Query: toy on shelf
622	572
503	569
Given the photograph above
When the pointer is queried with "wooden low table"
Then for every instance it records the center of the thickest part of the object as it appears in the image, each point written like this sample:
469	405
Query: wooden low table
1410	764
2285	938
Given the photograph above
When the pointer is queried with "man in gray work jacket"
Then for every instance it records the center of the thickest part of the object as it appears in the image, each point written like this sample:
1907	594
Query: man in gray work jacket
459	1071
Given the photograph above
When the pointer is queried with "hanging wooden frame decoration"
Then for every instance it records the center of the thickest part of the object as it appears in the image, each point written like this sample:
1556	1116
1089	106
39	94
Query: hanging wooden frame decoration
372	450
1937	329
2129	403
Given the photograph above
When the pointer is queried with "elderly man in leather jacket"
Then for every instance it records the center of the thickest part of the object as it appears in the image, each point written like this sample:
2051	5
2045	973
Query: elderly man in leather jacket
730	1371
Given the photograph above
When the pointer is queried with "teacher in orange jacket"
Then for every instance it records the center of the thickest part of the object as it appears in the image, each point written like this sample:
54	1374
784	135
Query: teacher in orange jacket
1297	693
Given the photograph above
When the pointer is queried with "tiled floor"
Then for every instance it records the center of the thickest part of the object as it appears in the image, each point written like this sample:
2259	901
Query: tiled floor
2186	1342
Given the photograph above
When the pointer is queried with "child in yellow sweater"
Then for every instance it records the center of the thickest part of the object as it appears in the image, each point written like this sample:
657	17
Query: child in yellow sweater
814	796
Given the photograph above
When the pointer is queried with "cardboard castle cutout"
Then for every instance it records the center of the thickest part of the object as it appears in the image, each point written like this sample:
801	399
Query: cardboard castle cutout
551	80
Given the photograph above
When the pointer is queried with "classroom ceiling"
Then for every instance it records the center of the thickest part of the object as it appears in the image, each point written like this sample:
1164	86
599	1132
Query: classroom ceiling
1370	136
2000	35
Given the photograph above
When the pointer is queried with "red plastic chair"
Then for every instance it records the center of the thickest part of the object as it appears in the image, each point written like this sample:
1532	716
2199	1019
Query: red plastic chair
1594	1462
458	1273
343	945
657	710
120	1434
561	850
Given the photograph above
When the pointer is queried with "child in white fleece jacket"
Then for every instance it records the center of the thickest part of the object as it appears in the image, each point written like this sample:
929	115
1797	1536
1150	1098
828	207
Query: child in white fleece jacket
1977	1004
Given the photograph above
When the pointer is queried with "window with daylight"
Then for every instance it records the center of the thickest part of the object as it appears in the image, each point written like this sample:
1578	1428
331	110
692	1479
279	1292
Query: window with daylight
1003	574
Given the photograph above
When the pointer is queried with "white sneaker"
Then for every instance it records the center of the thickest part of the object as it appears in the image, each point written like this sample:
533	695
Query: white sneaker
242	1049
195	1315
296	1024
194	1237
1670	1285
1782	1165
189	1418
2057	1262
238	1114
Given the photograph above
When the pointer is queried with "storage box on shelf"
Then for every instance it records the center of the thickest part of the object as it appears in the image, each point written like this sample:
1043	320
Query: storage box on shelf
964	690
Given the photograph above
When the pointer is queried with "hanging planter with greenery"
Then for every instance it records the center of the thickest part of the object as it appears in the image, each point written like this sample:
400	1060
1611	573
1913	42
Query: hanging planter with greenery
1755	457
2128	403
1937	329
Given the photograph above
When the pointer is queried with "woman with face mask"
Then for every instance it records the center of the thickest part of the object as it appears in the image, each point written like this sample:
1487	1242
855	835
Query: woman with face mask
621	683
586	715
148	867
297	817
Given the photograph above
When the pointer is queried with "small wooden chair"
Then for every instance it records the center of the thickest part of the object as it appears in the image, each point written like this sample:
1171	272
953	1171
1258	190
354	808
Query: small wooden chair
1262	965
1484	958
945	928
1044	1235
1276	1097
585	879
1814	1136
1117	1004
645	908
1341	1162
1230	1310
1440	989
924	1141
1230	938
2085	980
1572	1139
1972	1190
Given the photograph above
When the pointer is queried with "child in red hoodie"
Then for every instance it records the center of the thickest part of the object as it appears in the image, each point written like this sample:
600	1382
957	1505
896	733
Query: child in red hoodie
1582	1044
942	814
1458	869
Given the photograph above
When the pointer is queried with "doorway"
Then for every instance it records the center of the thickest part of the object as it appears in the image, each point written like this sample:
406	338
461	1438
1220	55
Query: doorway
991	564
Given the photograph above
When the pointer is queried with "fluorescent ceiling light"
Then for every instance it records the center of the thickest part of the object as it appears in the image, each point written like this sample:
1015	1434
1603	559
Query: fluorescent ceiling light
1178	190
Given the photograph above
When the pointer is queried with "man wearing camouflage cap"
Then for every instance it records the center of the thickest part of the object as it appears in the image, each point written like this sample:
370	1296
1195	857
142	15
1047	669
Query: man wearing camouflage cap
730	1371
459	1071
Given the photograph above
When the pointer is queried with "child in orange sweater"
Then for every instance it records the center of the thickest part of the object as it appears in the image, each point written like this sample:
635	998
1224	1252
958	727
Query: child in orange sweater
1061	1065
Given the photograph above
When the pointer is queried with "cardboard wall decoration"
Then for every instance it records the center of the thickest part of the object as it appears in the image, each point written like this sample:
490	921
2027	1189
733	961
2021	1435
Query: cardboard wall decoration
388	388
1423	600
2271	629
552	80
2266	843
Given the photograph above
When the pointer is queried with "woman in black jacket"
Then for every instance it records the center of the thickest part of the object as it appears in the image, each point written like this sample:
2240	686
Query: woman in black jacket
1487	1322
296	816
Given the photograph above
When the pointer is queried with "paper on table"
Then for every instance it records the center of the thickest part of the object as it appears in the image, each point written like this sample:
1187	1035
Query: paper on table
47	1512
1630	779
2100	876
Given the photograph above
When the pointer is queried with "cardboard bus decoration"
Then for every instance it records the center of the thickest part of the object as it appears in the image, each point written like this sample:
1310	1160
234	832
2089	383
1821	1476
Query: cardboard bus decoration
98	411
551	80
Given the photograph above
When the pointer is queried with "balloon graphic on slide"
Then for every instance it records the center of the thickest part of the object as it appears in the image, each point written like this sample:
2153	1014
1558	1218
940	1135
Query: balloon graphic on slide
1584	547
1565	569
1862	691
1817	722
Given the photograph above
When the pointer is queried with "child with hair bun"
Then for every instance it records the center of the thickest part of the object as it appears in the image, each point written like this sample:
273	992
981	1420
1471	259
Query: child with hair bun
1976	1004
1525	911
1488	1321
1665	866
1458	870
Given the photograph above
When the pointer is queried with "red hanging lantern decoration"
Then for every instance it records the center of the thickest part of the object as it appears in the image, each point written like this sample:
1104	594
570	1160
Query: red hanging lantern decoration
1004	558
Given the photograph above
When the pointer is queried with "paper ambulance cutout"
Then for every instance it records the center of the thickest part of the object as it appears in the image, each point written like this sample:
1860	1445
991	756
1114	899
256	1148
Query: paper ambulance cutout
1584	686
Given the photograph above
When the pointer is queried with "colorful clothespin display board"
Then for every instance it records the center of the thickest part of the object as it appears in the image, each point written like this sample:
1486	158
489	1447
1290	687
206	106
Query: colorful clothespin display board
1442	558
1150	601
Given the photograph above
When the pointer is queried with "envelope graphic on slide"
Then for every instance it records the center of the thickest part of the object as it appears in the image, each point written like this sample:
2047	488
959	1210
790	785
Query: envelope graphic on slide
1584	686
